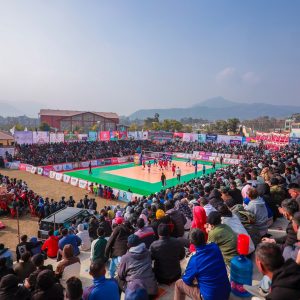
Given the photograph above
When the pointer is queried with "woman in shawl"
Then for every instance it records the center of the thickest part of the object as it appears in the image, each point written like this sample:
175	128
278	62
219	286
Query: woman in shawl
183	207
199	221
69	266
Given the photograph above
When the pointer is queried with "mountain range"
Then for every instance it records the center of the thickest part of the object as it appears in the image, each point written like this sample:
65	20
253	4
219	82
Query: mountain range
219	108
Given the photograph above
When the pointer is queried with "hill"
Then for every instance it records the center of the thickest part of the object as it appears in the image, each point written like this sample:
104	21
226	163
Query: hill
219	108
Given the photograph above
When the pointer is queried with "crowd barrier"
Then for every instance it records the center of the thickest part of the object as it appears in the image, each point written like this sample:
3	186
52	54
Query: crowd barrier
55	172
230	159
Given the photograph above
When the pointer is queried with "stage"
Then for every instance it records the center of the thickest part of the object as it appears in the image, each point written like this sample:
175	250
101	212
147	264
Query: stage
139	180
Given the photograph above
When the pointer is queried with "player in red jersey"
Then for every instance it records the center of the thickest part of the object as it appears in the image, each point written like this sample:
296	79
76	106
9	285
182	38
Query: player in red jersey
173	169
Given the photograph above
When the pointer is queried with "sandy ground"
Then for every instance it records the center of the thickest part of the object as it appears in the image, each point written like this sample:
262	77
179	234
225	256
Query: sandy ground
45	187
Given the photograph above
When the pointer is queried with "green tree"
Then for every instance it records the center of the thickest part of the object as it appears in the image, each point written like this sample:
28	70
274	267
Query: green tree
19	127
133	127
44	126
232	124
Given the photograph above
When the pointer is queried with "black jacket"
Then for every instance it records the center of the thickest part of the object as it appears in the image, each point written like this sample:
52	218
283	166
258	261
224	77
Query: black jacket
286	282
291	237
179	220
167	253
117	243
106	227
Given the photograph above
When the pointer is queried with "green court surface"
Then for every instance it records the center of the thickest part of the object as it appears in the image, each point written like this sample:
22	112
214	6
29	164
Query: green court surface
100	175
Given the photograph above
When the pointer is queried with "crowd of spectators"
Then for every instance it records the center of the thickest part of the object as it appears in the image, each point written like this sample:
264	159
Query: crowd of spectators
47	154
141	245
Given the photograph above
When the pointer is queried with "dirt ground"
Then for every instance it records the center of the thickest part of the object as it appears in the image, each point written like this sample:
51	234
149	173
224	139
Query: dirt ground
45	187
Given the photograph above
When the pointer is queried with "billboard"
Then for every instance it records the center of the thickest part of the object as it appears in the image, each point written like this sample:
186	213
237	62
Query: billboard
57	137
23	137
40	137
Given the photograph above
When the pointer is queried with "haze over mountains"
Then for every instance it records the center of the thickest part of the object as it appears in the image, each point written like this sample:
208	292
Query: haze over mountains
211	109
219	108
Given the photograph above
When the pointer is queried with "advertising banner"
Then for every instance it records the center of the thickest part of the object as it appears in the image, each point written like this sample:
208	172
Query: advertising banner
66	178
107	161
58	176
23	137
15	165
82	137
114	135
294	140
40	171
187	137
235	142
10	150
84	164
57	137
67	166
74	181
47	170
201	137
122	135
92	136
144	135
124	196
28	168
211	138
71	137
40	137
33	170
22	167
52	174
160	136
295	133
57	168
104	136
82	184
100	162
178	135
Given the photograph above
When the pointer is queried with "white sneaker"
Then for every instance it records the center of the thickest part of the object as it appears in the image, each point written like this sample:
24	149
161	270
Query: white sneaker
256	290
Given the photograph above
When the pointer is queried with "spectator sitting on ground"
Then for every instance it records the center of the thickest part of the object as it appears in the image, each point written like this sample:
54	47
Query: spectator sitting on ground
207	267
292	251
177	218
167	253
222	235
285	276
71	239
10	289
25	267
24	246
38	262
258	208
69	265
85	238
288	208
51	245
145	233
136	264
98	246
47	288
4	269
6	253
102	288
117	246
74	289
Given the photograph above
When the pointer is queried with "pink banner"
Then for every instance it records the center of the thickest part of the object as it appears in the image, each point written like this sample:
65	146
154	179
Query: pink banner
104	136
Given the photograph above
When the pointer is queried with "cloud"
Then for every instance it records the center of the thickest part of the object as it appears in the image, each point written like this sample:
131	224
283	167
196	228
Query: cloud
231	77
226	74
250	78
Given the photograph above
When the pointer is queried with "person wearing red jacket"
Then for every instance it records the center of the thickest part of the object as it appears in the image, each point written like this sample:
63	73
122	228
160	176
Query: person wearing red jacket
51	245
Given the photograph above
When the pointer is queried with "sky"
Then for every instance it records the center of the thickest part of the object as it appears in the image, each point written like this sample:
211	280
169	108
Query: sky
126	55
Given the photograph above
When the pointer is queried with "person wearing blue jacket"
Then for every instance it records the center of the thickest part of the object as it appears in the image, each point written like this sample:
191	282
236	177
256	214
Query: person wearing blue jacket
102	288
71	239
205	276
